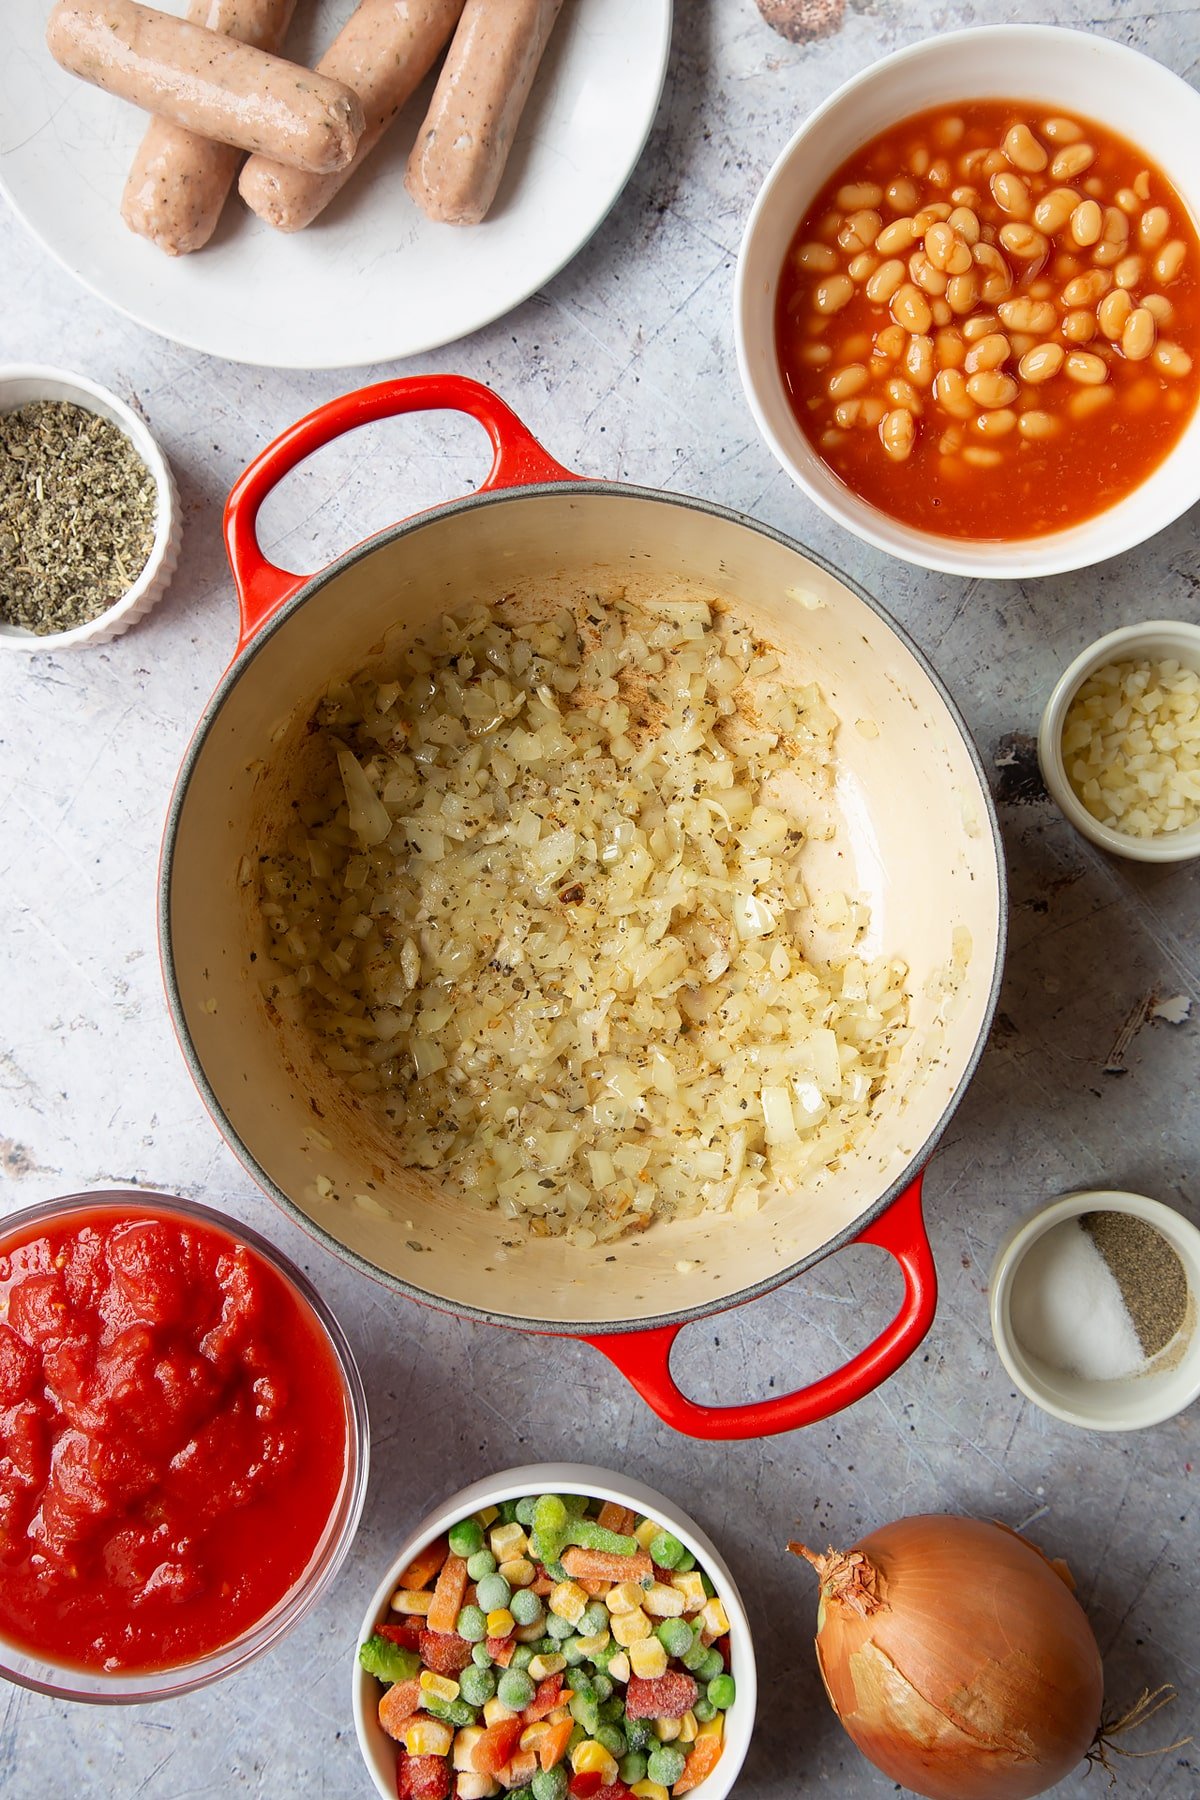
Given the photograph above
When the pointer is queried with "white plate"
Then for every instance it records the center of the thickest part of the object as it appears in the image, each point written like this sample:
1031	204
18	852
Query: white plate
372	279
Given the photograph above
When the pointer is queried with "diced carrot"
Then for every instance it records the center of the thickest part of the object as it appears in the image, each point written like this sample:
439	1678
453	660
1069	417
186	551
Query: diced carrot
618	1518
425	1565
594	1589
543	1585
448	1595
553	1746
398	1705
501	1650
602	1565
703	1758
495	1748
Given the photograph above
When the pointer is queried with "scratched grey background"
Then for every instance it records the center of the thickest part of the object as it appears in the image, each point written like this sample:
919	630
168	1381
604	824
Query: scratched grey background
625	367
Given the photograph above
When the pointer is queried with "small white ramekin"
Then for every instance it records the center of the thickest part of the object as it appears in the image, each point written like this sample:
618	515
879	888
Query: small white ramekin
1071	71
1125	1405
379	1752
1156	639
22	383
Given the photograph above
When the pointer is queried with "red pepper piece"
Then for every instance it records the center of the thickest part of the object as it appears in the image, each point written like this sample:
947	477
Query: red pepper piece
667	1696
616	1790
496	1746
501	1650
726	1649
545	1700
423	1778
407	1636
444	1652
586	1785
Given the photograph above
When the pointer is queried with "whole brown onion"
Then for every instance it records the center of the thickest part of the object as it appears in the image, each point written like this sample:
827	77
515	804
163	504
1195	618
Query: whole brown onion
957	1658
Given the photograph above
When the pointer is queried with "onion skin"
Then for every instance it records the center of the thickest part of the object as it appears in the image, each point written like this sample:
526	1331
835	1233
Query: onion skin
957	1659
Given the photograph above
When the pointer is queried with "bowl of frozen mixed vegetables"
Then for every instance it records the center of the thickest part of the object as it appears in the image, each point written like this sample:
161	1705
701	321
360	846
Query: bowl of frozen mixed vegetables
555	1633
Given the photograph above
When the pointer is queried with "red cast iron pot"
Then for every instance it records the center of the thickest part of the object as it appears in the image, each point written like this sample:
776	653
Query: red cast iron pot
916	835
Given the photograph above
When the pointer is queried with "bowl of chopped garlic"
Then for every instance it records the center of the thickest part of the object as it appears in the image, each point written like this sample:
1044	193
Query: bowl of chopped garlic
89	503
1119	742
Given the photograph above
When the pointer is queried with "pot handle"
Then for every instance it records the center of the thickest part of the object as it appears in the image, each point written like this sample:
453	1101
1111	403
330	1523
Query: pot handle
644	1357
517	460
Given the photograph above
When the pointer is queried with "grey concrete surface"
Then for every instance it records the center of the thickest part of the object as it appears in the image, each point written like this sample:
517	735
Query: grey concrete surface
624	366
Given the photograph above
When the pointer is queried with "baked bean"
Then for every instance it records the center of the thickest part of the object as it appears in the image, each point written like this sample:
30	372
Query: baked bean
1170	260
950	392
1021	341
898	434
1141	185
995	163
1072	162
940	312
1172	359
919	161
931	215
950	442
1079	327
1087	222
857	346
949	350
847	412
1041	363
965	222
862	267
991	389
847	381
901	234
948	132
988	352
1085	290
1137	338
815	356
832	438
923	273
940	240
1159	305
1037	424
1086	368
858	193
1025	242
1140	397
818	259
1089	400
978	326
1061	131
892	341
1054	209
1153	227
859	231
981	458
918	360
1113	237
1128	271
1011	194
903	196
833	293
910	308
871	411
940	173
962	292
1061	268
1112	313
965	197
1023	150
1093	187
902	393
996	424
884	282
1026	314
1128	201
996	281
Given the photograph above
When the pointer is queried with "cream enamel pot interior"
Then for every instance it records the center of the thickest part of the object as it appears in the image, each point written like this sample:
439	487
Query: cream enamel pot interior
915	833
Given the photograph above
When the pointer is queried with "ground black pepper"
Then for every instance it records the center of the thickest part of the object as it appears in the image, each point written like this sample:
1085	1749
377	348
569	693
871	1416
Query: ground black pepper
77	516
1151	1278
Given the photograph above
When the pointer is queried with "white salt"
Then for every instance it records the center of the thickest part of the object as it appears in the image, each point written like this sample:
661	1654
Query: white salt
1067	1308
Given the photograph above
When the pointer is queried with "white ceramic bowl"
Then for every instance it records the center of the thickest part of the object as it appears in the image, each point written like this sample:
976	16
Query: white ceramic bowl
1170	1384
1158	638
379	1752
1071	70
21	383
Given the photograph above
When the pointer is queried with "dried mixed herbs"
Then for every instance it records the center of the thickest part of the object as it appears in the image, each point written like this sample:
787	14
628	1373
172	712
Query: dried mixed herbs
77	513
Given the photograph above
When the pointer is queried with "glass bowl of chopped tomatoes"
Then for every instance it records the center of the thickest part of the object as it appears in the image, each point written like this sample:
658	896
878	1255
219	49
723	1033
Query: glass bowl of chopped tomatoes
560	1631
183	1446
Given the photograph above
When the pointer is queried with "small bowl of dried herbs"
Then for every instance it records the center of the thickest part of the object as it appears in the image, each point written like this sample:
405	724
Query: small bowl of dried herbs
89	514
1094	1307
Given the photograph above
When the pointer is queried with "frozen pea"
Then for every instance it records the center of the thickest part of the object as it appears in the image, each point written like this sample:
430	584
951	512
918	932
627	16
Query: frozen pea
547	1646
612	1711
712	1666
481	1656
578	1735
481	1564
703	1710
559	1628
525	1606
550	1784
693	1659
585	1712
593	1620
472	1624
632	1767
476	1685
572	1649
466	1537
602	1685
525	1510
722	1691
665	1765
675	1636
493	1592
515	1689
521	1793
686	1563
577	1504
522	1656
508	1512
709	1589
666	1549
612	1738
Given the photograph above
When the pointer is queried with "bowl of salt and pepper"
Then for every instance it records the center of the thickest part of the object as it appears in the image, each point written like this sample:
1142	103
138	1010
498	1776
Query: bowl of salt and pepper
89	514
1095	1309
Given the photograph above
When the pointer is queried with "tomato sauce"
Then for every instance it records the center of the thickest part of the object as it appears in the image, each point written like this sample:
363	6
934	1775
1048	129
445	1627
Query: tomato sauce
1095	414
173	1439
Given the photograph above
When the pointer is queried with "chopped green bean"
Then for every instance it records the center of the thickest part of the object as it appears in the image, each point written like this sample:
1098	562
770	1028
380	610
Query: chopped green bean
585	1711
451	1712
590	1536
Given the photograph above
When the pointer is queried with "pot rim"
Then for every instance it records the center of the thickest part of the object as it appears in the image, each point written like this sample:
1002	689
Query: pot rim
310	589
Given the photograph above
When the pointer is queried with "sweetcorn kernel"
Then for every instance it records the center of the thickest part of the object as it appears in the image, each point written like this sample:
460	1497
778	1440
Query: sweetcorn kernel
569	1601
440	1686
500	1622
495	1712
471	1785
518	1573
427	1737
666	1730
646	1532
508	1542
715	1618
542	1666
688	1728
627	1628
624	1597
691	1586
649	1790
464	1746
532	1735
592	1646
487	1515
416	1602
648	1658
589	1757
712	1727
662	1601
619	1666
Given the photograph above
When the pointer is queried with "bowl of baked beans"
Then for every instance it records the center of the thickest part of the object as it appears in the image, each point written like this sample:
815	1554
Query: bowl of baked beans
967	303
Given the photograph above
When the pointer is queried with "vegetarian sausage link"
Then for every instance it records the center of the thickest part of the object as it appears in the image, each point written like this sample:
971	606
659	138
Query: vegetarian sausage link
214	85
459	157
385	49
179	182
